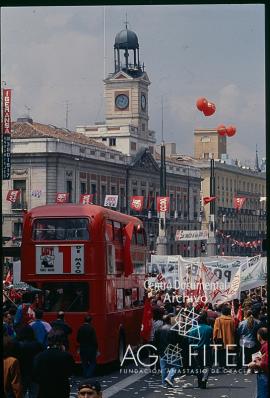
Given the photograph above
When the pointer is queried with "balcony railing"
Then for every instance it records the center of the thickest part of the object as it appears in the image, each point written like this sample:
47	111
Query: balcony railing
19	206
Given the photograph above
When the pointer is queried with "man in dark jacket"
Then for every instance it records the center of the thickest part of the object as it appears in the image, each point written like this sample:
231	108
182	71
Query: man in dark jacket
166	340
87	339
60	324
53	367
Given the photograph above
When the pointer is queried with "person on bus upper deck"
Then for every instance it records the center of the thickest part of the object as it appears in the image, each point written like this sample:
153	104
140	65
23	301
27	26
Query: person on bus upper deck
89	388
60	324
87	339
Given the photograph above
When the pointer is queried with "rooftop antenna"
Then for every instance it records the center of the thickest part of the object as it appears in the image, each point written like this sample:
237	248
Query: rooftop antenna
162	137
257	167
28	110
104	41
67	112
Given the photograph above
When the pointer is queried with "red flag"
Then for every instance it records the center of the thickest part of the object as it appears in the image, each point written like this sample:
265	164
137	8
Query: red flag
13	195
9	278
163	203
86	199
238	202
147	320
62	197
136	203
208	199
128	232
239	314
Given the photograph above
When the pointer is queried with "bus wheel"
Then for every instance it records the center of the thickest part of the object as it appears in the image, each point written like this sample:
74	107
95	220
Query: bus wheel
121	348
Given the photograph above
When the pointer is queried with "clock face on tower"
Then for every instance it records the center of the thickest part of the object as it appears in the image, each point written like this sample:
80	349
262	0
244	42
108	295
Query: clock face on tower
122	101
143	102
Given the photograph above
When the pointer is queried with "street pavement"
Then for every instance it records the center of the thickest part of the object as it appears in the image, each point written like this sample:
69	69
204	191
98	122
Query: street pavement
139	383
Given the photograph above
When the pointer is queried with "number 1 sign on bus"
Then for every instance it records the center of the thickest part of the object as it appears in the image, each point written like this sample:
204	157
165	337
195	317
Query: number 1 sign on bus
88	259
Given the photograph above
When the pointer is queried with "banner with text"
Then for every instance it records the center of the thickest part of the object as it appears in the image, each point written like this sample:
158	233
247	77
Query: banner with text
136	203
6	133
163	204
182	235
111	201
221	276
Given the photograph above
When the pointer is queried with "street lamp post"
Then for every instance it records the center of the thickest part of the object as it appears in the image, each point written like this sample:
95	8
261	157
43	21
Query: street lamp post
211	242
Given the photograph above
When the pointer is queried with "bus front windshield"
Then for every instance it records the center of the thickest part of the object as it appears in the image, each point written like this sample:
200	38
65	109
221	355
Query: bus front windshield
48	229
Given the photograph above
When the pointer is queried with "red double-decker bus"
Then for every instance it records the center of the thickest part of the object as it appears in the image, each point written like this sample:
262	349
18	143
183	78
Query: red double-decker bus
88	259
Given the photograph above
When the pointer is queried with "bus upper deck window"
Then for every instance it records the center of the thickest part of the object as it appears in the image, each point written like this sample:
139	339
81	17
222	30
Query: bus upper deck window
60	229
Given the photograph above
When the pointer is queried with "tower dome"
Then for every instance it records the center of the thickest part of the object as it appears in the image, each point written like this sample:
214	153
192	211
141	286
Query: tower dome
126	39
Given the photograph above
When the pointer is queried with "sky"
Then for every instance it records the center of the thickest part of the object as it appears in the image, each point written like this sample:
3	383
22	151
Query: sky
54	56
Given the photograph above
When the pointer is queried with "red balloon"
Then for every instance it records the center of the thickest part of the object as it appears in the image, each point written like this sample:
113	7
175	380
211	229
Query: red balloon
231	130
201	103
209	109
221	129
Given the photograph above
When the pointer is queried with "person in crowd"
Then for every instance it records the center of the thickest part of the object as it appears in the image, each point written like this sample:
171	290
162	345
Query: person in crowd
247	334
87	339
211	314
41	328
89	388
261	364
53	367
8	324
224	334
12	374
203	350
25	311
29	347
60	324
263	317
162	338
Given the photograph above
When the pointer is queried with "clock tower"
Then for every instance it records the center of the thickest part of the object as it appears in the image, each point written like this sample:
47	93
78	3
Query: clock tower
126	90
126	100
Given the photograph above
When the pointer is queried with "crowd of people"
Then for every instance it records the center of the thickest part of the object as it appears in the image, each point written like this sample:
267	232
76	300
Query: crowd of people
38	364
37	361
228	336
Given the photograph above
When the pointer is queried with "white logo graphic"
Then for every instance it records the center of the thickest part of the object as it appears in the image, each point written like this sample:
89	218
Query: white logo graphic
185	321
172	355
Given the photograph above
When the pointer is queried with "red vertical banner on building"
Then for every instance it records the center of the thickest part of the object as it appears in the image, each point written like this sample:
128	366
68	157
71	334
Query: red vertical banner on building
62	197
163	203
6	133
86	198
13	195
136	203
238	202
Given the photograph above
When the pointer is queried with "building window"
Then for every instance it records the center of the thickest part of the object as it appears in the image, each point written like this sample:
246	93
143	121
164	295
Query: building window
113	190
83	188
104	139
103	194
69	190
133	146
17	229
143	126
20	185
112	141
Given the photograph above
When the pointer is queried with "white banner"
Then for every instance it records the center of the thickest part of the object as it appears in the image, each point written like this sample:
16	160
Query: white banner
222	277
191	235
111	201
